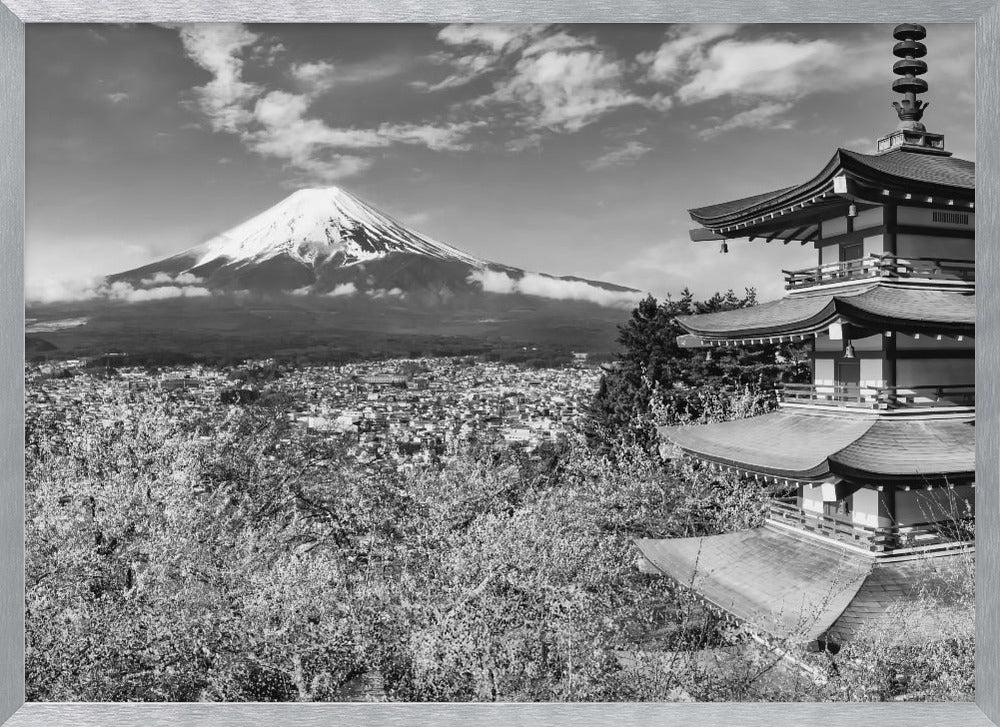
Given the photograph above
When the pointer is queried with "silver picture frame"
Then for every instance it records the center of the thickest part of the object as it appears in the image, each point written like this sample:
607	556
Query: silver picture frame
14	14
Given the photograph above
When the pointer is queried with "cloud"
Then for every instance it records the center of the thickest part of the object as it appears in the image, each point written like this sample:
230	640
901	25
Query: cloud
308	144
464	70
527	142
770	68
129	294
761	77
625	154
217	48
380	293
567	90
683	43
495	281
118	97
343	289
484	46
497	37
764	116
180	279
56	291
156	287
552	80
314	78
275	123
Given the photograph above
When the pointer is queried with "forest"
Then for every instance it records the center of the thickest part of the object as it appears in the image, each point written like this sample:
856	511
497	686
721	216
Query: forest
253	564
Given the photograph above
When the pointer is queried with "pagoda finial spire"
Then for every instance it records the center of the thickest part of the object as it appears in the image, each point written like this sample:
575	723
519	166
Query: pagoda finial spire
910	50
910	134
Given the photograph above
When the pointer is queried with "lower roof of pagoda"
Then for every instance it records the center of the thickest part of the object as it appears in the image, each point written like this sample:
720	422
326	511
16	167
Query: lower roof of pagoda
877	307
792	587
807	446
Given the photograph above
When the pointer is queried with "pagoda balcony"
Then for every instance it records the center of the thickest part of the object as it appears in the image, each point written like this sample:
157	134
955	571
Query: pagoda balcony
916	537
879	398
879	266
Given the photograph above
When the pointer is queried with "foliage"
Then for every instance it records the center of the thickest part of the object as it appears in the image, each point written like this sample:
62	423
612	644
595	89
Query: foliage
655	382
262	565
920	649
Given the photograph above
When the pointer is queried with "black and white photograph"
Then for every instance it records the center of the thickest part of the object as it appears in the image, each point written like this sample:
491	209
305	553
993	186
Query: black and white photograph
499	362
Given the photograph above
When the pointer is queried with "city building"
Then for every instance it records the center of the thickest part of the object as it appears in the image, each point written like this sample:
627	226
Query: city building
876	454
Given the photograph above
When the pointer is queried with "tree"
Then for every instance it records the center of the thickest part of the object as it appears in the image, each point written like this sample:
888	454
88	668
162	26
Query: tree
655	381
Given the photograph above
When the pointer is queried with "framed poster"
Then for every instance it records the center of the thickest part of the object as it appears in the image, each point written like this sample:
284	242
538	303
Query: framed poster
281	280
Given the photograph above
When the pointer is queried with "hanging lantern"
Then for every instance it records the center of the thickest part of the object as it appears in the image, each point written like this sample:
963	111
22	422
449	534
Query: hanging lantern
708	356
849	350
724	248
852	210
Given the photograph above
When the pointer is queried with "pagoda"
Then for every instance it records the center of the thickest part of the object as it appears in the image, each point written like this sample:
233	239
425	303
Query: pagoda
876	454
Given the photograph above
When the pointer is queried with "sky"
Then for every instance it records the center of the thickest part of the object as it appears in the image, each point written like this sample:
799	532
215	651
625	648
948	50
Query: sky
569	150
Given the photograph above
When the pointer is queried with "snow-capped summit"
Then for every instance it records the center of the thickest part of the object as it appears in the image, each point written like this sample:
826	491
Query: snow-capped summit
315	226
326	241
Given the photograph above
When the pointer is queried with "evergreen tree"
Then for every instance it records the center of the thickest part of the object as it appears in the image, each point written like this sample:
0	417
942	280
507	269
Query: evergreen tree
654	381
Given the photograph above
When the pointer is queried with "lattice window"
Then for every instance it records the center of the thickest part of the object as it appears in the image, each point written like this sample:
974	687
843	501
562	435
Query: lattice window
953	218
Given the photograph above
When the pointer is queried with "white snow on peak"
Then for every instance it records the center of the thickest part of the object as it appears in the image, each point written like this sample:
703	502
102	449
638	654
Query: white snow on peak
314	225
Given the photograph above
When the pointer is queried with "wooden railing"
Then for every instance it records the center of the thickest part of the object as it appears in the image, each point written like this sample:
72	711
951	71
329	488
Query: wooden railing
878	265
853	396
877	539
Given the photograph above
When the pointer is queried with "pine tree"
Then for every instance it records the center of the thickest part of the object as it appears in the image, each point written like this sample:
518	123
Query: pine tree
652	371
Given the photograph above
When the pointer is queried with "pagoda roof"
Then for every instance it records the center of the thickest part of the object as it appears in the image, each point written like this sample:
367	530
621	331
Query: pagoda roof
787	587
903	171
873	306
792	587
810	446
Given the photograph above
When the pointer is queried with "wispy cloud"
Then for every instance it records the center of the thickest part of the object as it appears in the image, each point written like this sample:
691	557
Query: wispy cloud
158	287
764	68
545	79
310	145
218	48
277	124
569	89
545	286
683	44
761	77
478	50
318	77
314	78
625	154
767	115
117	97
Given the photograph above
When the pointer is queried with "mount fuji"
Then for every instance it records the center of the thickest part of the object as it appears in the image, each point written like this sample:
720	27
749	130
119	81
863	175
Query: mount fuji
326	241
324	275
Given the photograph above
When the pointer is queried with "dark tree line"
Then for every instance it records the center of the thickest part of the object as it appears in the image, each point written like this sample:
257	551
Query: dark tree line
652	373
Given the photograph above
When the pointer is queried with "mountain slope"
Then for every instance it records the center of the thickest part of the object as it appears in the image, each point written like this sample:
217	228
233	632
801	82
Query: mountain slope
326	240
